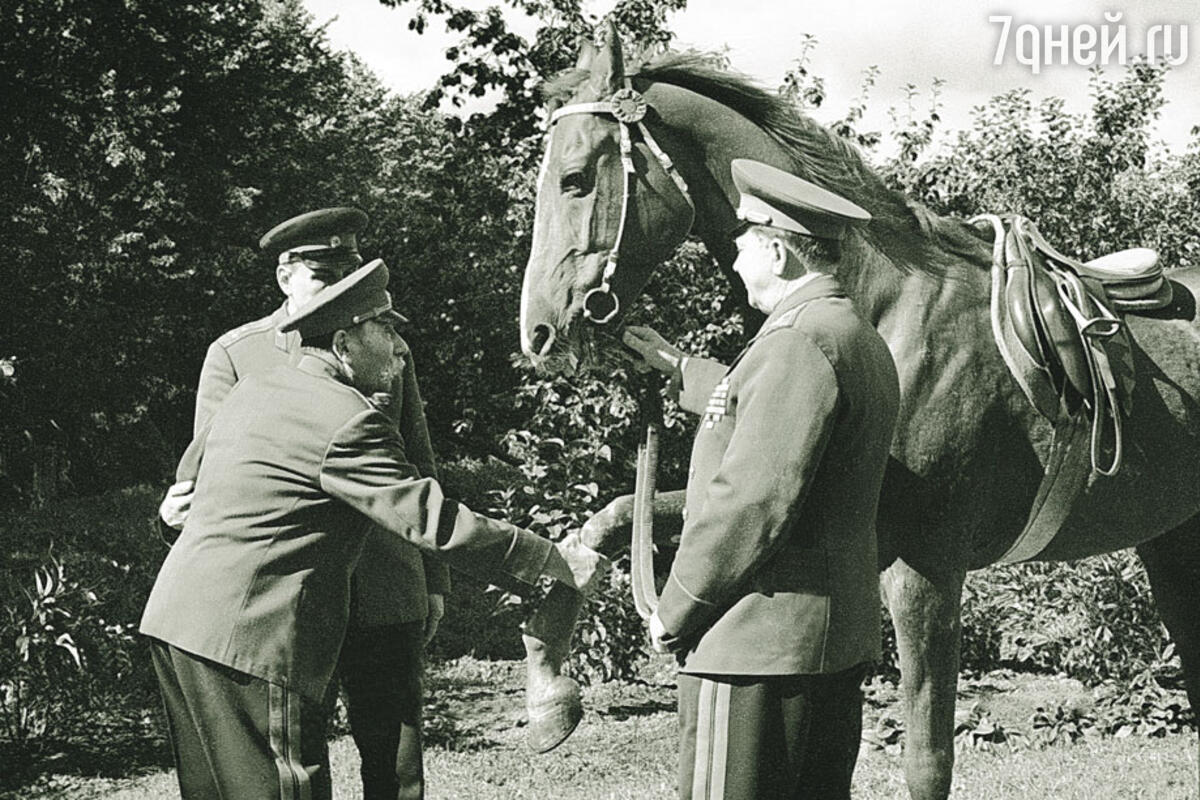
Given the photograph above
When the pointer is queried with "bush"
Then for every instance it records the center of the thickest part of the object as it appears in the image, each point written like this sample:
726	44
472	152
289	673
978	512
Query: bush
1093	620
72	593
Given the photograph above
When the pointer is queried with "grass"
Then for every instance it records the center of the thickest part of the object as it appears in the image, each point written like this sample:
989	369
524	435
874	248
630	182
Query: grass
625	749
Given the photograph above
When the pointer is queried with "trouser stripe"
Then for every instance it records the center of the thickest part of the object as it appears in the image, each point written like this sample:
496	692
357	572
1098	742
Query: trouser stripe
720	747
285	745
712	741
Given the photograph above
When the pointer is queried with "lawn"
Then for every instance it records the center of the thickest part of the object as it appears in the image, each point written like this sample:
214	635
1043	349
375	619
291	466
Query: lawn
625	748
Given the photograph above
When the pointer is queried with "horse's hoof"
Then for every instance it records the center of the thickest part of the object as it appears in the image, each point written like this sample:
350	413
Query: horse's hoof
554	717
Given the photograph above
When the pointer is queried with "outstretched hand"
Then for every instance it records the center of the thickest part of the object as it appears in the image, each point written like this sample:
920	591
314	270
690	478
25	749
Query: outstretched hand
586	565
651	350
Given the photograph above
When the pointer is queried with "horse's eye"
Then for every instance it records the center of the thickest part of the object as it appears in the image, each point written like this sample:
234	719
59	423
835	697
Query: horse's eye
574	183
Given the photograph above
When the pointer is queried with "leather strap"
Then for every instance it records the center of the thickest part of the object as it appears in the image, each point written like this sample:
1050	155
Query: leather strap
628	107
1066	474
641	553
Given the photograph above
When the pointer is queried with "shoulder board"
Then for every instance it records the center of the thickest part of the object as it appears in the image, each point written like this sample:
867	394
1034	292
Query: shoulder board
335	385
241	332
786	320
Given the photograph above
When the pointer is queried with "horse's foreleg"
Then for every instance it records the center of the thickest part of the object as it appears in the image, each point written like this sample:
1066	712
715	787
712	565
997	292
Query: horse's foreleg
552	699
1173	564
925	612
608	531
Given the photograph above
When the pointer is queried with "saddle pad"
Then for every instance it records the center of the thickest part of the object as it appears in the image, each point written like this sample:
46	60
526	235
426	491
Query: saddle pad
1135	265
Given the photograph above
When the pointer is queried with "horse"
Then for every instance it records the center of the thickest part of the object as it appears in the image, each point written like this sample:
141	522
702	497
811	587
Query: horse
969	451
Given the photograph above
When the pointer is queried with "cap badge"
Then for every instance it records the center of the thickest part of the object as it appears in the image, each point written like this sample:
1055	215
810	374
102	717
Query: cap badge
335	241
754	217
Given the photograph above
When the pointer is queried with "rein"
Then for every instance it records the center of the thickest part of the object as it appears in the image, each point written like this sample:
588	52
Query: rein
641	549
628	107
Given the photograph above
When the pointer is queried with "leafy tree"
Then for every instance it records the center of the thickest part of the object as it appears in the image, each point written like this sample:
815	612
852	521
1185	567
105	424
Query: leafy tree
489	57
154	143
1093	183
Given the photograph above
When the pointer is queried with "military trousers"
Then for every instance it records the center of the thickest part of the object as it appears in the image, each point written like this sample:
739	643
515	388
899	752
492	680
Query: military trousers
380	671
238	737
755	737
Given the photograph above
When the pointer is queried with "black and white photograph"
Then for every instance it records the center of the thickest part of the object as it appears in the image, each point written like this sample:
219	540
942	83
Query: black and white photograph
599	400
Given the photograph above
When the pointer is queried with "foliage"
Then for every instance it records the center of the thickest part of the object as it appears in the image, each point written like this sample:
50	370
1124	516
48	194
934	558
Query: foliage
1092	620
1138	707
577	446
67	644
1142	707
974	729
1061	725
490	58
155	144
1094	183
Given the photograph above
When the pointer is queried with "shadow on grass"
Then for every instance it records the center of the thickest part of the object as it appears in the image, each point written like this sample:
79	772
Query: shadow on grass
106	751
642	709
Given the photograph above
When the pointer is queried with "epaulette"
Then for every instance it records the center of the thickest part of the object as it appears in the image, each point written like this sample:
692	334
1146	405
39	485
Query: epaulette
785	320
257	326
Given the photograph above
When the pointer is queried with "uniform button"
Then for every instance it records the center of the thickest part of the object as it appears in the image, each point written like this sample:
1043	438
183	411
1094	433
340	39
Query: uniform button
684	513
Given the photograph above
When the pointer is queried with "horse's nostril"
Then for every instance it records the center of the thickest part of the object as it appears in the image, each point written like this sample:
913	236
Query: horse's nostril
542	339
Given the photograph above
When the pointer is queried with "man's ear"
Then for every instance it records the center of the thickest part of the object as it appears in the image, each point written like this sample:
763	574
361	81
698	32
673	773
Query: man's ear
779	257
283	276
341	340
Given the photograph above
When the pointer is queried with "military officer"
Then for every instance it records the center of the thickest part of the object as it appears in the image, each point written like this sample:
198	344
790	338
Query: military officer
773	598
248	612
398	595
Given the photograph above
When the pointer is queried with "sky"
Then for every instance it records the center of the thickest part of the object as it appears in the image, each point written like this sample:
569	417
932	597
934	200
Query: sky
910	41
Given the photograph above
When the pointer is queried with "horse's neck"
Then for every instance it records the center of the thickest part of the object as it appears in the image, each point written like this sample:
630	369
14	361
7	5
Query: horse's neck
703	137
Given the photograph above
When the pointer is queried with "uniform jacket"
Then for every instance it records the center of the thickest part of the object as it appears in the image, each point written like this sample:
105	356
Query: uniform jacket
776	570
290	472
393	578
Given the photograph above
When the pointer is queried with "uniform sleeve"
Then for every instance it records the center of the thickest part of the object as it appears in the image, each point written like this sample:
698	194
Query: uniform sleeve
787	398
417	445
187	470
698	378
217	377
364	467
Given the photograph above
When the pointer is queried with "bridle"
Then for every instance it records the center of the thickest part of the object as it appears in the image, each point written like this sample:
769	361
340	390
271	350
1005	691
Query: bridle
601	304
628	107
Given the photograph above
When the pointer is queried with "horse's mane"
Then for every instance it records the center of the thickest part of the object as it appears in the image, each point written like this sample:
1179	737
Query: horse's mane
911	236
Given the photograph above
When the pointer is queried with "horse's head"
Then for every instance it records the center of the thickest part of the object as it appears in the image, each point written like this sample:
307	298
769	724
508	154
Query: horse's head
599	230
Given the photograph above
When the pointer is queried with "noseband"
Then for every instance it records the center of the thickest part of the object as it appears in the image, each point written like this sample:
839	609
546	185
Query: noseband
629	108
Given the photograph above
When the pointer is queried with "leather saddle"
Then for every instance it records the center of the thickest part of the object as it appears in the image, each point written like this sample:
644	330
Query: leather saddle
1058	323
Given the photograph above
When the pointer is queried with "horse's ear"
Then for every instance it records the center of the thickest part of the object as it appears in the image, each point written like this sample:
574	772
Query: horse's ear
608	67
587	53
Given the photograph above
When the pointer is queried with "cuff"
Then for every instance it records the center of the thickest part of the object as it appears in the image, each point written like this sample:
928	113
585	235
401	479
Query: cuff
165	532
527	557
679	610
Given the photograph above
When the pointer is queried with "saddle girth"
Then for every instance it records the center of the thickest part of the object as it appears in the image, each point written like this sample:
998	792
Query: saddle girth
1056	324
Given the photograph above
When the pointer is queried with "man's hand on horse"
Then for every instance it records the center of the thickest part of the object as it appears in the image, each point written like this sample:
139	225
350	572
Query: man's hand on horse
652	350
586	565
175	506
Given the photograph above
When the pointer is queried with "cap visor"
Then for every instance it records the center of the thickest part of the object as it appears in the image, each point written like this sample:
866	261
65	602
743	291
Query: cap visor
394	316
